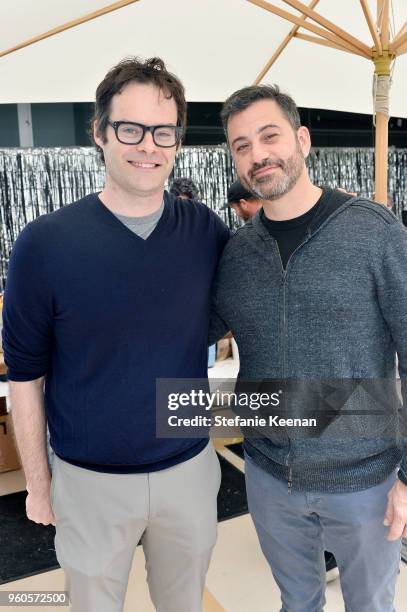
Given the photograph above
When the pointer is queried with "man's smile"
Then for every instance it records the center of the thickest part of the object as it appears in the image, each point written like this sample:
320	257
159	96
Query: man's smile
265	170
144	165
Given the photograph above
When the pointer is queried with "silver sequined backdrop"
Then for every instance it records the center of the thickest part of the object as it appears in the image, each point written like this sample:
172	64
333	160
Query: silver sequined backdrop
37	181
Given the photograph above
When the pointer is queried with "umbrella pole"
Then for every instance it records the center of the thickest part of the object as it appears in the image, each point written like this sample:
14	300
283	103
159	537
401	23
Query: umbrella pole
382	76
382	64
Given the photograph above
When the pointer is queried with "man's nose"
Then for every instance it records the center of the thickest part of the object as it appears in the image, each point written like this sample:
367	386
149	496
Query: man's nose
259	152
147	145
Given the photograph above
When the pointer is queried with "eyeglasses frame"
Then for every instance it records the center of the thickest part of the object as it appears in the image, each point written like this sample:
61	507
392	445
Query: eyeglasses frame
147	128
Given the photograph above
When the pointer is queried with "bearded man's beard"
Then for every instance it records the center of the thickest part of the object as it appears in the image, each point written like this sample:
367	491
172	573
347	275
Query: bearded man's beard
280	181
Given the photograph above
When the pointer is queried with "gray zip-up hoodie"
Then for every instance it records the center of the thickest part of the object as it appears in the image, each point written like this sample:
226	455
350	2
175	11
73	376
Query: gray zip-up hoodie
338	311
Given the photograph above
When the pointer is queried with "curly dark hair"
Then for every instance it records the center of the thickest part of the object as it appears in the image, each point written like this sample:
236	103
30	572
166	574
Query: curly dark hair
131	69
185	186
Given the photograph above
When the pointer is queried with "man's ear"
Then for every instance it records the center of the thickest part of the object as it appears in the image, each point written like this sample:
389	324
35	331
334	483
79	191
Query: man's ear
96	137
304	139
243	203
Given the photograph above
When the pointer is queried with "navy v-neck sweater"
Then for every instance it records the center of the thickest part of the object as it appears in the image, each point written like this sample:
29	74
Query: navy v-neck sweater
102	314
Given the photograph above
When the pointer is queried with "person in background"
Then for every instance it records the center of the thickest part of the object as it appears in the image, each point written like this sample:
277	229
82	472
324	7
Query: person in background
314	287
184	188
97	308
244	203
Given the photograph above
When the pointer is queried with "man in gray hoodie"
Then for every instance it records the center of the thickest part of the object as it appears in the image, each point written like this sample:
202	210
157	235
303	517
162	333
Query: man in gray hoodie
314	289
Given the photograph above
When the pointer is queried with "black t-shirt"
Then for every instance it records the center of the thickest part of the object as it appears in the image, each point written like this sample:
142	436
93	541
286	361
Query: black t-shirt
289	234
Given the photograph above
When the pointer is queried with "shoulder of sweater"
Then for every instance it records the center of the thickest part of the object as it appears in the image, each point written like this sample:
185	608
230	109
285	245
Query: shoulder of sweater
238	242
202	214
196	206
242	233
61	216
37	232
377	211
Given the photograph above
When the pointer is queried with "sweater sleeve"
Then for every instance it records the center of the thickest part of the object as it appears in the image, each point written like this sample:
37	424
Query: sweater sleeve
217	326
392	295
222	231
27	311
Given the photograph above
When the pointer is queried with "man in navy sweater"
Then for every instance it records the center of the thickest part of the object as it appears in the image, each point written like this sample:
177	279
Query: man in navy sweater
97	307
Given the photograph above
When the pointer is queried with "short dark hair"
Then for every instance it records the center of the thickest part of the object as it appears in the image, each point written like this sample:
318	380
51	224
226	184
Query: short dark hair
243	98
185	186
150	71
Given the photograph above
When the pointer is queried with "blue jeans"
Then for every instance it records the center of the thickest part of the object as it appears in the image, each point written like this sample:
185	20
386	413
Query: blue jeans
295	529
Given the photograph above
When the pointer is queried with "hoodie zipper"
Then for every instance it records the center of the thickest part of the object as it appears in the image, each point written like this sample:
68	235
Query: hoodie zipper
284	287
309	235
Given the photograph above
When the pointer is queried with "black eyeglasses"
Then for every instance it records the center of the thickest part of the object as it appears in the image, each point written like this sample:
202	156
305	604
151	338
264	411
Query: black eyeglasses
128	132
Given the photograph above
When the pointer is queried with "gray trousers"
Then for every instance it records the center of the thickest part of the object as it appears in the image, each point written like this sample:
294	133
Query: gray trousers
294	530
100	518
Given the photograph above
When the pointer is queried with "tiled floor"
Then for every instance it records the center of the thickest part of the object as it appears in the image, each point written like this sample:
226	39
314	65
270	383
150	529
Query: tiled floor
239	579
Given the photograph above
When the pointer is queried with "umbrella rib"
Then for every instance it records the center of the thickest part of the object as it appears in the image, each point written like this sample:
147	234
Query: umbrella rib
400	33
396	44
382	10
280	48
325	43
402	49
308	26
332	27
70	24
372	27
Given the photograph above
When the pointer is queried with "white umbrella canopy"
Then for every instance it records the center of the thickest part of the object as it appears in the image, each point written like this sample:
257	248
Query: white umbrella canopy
215	46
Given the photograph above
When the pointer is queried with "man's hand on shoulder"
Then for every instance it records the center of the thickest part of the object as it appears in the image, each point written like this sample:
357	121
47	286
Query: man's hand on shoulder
396	512
352	193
